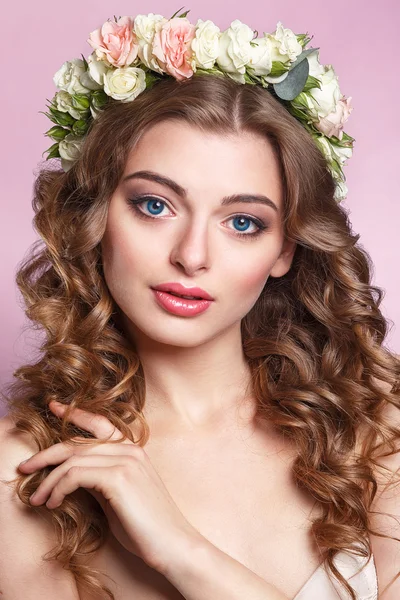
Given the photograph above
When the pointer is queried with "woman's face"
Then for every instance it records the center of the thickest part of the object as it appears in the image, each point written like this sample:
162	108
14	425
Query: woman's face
198	239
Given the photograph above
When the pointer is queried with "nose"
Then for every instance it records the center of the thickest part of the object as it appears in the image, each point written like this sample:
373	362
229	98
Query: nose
191	249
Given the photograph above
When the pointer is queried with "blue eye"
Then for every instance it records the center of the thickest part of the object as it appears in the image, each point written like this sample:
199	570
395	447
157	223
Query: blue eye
155	207
152	203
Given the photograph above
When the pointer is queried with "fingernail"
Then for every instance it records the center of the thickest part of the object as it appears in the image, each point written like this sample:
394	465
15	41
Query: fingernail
57	405
23	462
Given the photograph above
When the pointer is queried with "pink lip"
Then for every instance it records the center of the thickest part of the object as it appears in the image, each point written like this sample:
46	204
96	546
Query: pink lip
180	306
178	288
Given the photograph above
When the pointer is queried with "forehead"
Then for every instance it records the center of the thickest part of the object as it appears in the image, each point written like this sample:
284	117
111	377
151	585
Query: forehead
209	163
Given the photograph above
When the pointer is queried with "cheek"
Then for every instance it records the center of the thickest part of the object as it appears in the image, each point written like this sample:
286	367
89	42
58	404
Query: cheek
251	280
127	259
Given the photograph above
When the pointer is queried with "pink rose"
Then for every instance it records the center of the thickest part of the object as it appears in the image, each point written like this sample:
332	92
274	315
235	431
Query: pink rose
333	123
116	41
172	46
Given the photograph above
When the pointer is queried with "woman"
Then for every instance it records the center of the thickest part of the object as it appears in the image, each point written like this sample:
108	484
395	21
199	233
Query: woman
242	434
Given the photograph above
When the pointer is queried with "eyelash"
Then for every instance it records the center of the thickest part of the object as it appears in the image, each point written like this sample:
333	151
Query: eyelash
139	199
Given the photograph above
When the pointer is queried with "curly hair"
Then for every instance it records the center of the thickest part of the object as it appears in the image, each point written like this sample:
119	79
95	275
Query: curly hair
314	338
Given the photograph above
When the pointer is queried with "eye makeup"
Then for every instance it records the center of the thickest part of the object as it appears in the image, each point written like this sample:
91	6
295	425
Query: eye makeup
135	200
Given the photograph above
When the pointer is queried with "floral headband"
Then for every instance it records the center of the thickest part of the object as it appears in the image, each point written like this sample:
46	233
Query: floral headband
131	54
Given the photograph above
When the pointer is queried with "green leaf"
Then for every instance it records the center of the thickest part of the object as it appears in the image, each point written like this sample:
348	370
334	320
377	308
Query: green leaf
294	83
57	133
53	152
61	118
304	39
248	79
302	56
80	101
99	98
85	62
80	127
182	15
312	82
278	68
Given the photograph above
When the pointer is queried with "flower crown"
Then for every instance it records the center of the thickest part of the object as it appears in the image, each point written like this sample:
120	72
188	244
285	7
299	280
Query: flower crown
131	54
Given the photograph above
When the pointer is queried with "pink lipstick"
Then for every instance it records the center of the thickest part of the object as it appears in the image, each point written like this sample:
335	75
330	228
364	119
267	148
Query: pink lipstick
170	297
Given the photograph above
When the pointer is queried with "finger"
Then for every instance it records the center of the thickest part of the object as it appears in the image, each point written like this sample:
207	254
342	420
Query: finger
77	476
53	479
58	453
98	425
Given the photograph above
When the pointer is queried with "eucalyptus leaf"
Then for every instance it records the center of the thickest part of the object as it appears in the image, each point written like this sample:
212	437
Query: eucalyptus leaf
302	56
294	83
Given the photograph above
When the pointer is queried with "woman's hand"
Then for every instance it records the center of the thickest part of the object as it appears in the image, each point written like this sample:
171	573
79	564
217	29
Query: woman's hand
141	513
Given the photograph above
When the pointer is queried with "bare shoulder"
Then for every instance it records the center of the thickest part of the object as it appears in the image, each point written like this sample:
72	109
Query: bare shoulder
14	445
26	536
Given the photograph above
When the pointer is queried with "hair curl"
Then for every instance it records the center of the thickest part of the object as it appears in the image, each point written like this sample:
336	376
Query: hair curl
313	340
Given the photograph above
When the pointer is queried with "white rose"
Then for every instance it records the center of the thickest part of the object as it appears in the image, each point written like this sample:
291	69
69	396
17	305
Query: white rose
324	100
235	50
325	147
93	77
144	27
341	190
316	68
63	103
260	62
69	149
205	45
124	83
97	69
285	46
342	153
332	151
68	77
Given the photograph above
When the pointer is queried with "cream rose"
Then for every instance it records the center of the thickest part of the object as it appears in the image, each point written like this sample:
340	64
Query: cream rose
96	71
235	50
285	46
124	84
260	62
68	77
205	45
323	101
69	149
63	103
315	67
342	153
341	190
144	28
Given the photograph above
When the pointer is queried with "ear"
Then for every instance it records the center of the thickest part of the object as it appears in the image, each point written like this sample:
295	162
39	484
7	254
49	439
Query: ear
284	262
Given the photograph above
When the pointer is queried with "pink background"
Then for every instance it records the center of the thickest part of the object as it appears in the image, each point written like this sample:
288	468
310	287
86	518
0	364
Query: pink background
360	40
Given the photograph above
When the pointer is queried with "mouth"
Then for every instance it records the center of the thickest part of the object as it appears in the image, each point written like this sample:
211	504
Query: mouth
180	290
187	297
180	295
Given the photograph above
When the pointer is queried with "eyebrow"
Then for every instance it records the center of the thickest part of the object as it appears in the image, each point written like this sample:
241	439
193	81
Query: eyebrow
183	192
